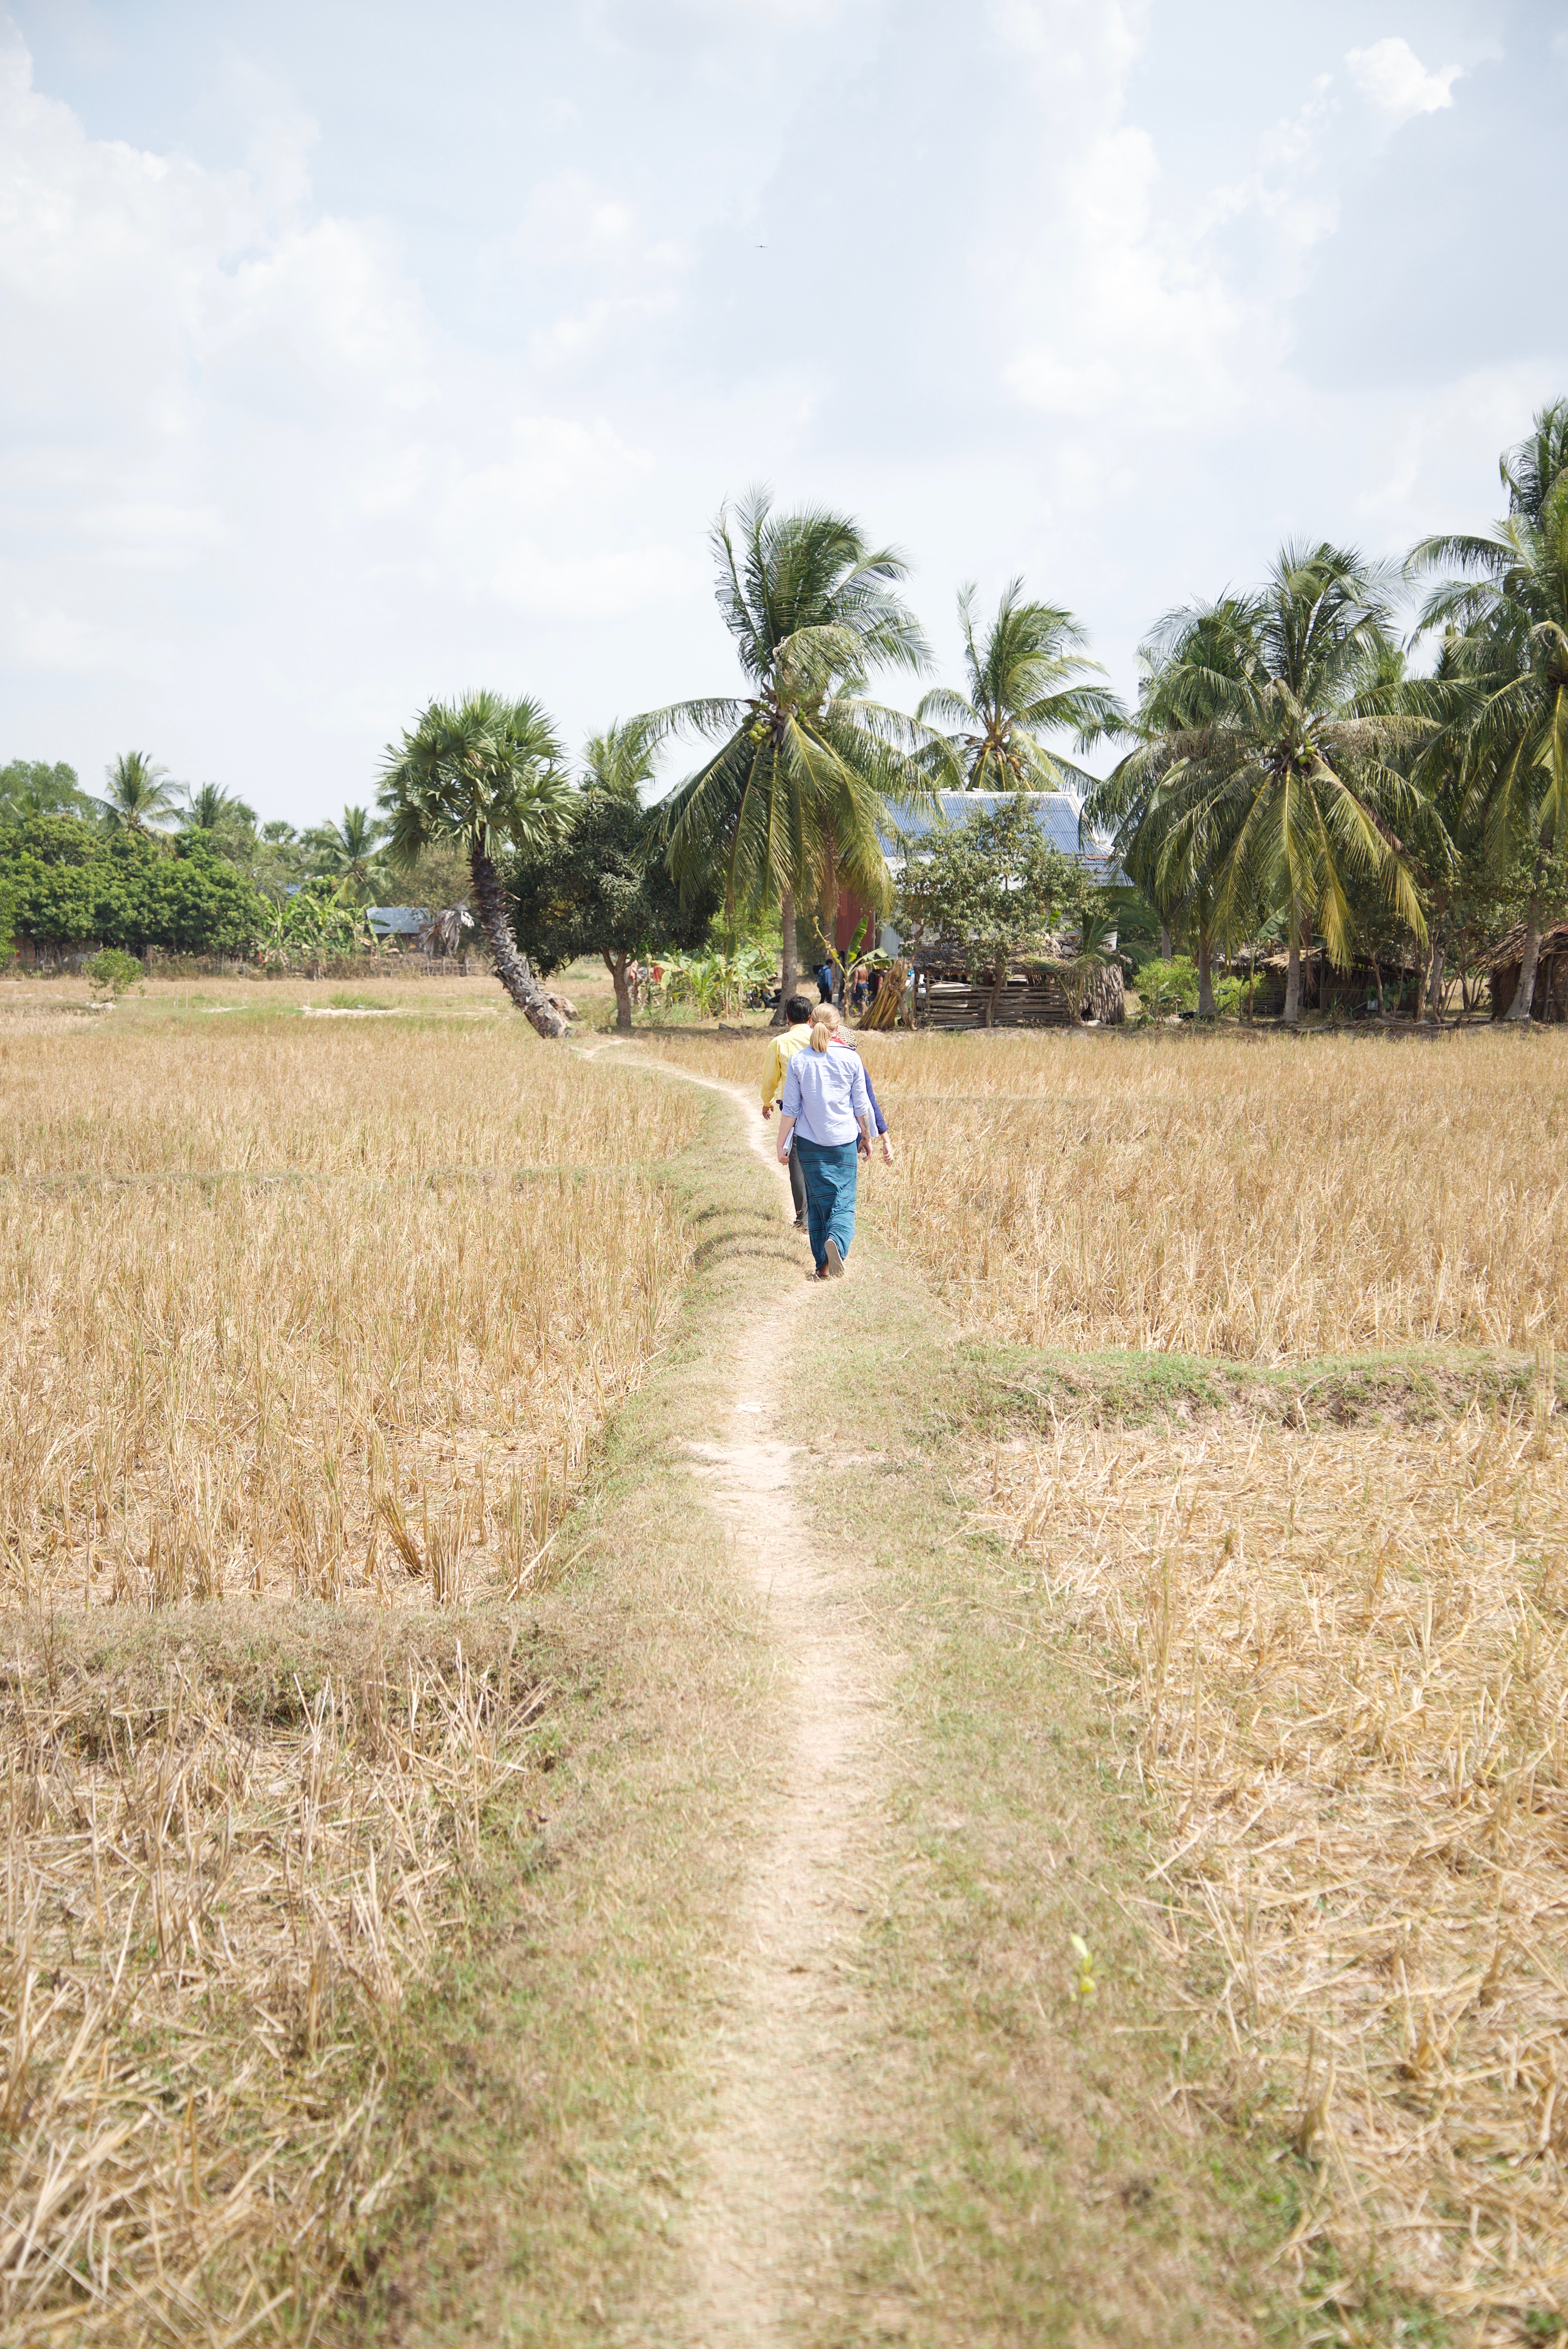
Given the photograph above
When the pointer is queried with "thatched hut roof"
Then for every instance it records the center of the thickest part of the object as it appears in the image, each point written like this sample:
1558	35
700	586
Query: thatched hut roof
1507	952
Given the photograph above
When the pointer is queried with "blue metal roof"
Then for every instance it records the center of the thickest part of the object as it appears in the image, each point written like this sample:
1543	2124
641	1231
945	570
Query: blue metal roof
1054	812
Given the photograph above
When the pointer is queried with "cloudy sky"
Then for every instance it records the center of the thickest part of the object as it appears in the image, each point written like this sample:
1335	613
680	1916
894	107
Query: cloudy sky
358	353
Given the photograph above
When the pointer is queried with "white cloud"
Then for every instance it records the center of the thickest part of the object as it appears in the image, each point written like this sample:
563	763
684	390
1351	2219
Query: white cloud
1115	307
1392	76
237	453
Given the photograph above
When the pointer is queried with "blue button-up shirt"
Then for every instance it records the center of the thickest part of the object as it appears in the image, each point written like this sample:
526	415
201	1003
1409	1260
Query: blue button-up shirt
825	1094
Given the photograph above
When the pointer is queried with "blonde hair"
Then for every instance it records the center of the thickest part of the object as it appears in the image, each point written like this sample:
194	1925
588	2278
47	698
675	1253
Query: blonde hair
825	1024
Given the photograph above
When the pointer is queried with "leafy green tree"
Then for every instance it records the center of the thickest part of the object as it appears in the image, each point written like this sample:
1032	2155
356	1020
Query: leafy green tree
73	882
807	768
487	773
991	885
1506	606
277	861
140	797
1023	682
31	787
602	887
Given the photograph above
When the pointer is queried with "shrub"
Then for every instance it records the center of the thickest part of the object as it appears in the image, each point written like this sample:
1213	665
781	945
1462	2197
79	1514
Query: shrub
113	971
1167	986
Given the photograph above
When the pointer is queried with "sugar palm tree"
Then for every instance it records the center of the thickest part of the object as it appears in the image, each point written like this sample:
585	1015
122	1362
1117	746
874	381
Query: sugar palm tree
1024	677
140	797
806	767
483	772
1507	614
1288	745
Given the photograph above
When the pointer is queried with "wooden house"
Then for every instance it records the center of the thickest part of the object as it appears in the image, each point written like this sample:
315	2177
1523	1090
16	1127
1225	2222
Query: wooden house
1350	993
1503	962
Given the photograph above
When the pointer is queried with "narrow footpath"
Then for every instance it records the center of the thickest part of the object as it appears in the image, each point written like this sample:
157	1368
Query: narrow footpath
796	2022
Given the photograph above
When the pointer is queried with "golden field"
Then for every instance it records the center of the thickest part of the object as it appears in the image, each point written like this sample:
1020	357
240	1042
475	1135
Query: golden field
1337	1663
1258	1197
1334	1645
270	1296
1265	1200
305	1328
308	1325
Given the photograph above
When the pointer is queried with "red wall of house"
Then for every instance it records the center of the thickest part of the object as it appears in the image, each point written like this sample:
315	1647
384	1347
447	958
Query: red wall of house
852	913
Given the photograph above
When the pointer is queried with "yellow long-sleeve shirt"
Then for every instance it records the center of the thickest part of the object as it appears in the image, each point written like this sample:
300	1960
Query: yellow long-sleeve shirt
781	1052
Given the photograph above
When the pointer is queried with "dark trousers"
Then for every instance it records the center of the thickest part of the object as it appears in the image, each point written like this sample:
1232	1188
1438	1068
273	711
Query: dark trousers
798	1186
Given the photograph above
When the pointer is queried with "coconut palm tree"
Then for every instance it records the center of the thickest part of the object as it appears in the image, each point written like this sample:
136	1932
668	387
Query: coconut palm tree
806	767
1507	611
1283	746
1023	682
1168	831
140	797
349	850
619	761
482	772
220	818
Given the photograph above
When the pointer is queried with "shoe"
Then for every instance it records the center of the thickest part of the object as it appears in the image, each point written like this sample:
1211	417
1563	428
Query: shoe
800	1224
834	1267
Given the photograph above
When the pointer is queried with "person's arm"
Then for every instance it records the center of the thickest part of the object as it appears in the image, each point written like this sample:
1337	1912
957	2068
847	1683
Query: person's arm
858	1101
882	1122
789	1107
770	1076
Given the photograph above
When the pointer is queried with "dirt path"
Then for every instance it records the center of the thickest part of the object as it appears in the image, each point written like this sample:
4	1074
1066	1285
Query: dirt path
795	2021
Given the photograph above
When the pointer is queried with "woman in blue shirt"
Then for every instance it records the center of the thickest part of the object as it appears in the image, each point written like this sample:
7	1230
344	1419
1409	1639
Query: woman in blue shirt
825	1111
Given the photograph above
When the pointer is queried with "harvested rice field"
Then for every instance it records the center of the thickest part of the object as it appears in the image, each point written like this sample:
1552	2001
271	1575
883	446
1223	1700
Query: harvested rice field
311	1309
1337	1665
1214	1429
307	1333
1254	1198
1324	1607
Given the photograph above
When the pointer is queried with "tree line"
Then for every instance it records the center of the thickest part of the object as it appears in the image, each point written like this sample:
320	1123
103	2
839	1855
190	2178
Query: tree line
1295	768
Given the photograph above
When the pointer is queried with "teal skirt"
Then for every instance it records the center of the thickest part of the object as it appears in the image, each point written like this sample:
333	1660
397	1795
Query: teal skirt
832	1172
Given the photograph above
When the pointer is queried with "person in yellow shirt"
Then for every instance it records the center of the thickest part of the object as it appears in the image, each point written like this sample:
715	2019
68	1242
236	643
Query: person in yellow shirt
781	1052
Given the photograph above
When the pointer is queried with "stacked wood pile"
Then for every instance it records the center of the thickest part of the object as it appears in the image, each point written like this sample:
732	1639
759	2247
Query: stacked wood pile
1037	994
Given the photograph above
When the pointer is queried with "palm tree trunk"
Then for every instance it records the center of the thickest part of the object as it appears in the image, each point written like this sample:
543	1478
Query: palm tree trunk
616	967
1292	976
1430	1006
511	969
828	915
998	981
1165	941
1525	995
1205	975
789	954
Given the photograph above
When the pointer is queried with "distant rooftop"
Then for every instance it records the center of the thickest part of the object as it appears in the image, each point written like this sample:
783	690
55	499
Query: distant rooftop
1054	812
398	921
